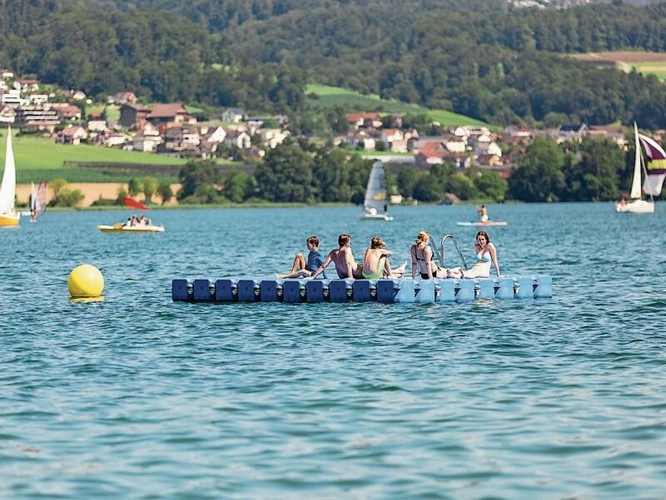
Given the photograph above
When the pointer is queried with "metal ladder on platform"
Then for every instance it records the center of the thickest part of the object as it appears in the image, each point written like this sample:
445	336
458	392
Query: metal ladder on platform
439	251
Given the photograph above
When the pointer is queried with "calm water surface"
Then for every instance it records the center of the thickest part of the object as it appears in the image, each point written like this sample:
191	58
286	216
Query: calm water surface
140	397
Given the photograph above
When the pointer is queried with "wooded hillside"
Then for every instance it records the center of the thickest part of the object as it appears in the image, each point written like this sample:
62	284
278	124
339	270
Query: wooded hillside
474	57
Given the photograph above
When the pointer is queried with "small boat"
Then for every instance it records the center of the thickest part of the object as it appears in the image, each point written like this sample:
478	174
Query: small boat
133	224
121	227
652	164
9	217
479	223
375	204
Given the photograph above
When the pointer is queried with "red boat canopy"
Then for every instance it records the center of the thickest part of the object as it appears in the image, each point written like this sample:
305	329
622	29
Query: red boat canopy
130	202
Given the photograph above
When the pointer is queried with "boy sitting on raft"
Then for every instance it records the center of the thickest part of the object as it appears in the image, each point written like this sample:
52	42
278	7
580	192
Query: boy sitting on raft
302	268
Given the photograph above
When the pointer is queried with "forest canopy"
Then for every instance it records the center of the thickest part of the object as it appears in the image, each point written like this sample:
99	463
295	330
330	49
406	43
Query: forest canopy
474	57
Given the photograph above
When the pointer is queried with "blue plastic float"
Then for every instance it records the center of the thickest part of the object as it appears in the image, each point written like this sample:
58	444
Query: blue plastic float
403	290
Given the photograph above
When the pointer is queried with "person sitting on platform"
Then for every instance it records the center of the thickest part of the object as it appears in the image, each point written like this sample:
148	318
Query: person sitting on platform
423	260
344	261
485	253
376	262
302	268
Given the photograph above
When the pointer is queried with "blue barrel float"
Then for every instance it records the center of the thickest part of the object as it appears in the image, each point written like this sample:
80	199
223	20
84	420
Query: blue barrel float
399	290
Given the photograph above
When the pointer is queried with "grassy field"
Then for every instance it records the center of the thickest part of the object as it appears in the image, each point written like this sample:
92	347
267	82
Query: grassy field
328	97
647	63
40	158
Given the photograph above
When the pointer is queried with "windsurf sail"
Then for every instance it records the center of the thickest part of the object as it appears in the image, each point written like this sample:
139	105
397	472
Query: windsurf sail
38	200
131	202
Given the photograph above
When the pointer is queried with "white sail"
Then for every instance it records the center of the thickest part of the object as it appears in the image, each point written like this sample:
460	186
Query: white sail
375	204
635	193
8	188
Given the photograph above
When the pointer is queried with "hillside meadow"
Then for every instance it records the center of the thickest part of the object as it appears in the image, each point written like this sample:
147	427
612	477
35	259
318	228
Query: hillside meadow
646	63
324	96
40	158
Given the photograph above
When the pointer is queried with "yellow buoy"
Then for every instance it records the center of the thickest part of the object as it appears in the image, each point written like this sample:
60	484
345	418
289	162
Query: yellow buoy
85	281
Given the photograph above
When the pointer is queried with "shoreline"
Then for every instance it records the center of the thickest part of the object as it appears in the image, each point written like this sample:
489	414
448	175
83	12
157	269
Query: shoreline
92	191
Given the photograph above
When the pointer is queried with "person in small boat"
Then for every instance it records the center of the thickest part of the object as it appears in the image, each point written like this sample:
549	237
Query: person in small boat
483	213
423	260
132	221
345	264
376	262
485	253
302	267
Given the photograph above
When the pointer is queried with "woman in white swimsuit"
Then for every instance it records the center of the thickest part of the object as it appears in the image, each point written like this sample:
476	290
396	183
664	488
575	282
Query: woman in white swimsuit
485	253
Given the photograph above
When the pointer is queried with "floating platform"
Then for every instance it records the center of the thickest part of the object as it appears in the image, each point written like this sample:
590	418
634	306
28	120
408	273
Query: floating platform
404	290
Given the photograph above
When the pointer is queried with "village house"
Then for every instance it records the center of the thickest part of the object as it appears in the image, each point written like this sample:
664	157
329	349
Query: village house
97	125
37	99
207	149
174	112
615	132
454	144
11	97
133	115
213	134
146	143
361	138
115	140
67	112
7	114
272	137
122	98
238	138
394	140
572	132
71	135
233	115
37	118
364	120
435	153
26	86
70	95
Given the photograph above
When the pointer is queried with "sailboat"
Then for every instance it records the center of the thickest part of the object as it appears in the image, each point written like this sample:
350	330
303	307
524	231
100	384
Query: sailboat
375	204
650	161
9	217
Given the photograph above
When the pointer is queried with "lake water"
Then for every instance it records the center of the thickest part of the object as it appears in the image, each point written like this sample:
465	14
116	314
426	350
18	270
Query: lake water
140	397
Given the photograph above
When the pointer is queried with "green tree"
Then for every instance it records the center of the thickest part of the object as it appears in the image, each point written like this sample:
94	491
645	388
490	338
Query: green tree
235	186
149	188
539	176
165	192
491	185
63	196
286	174
331	176
596	175
134	187
194	175
407	178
